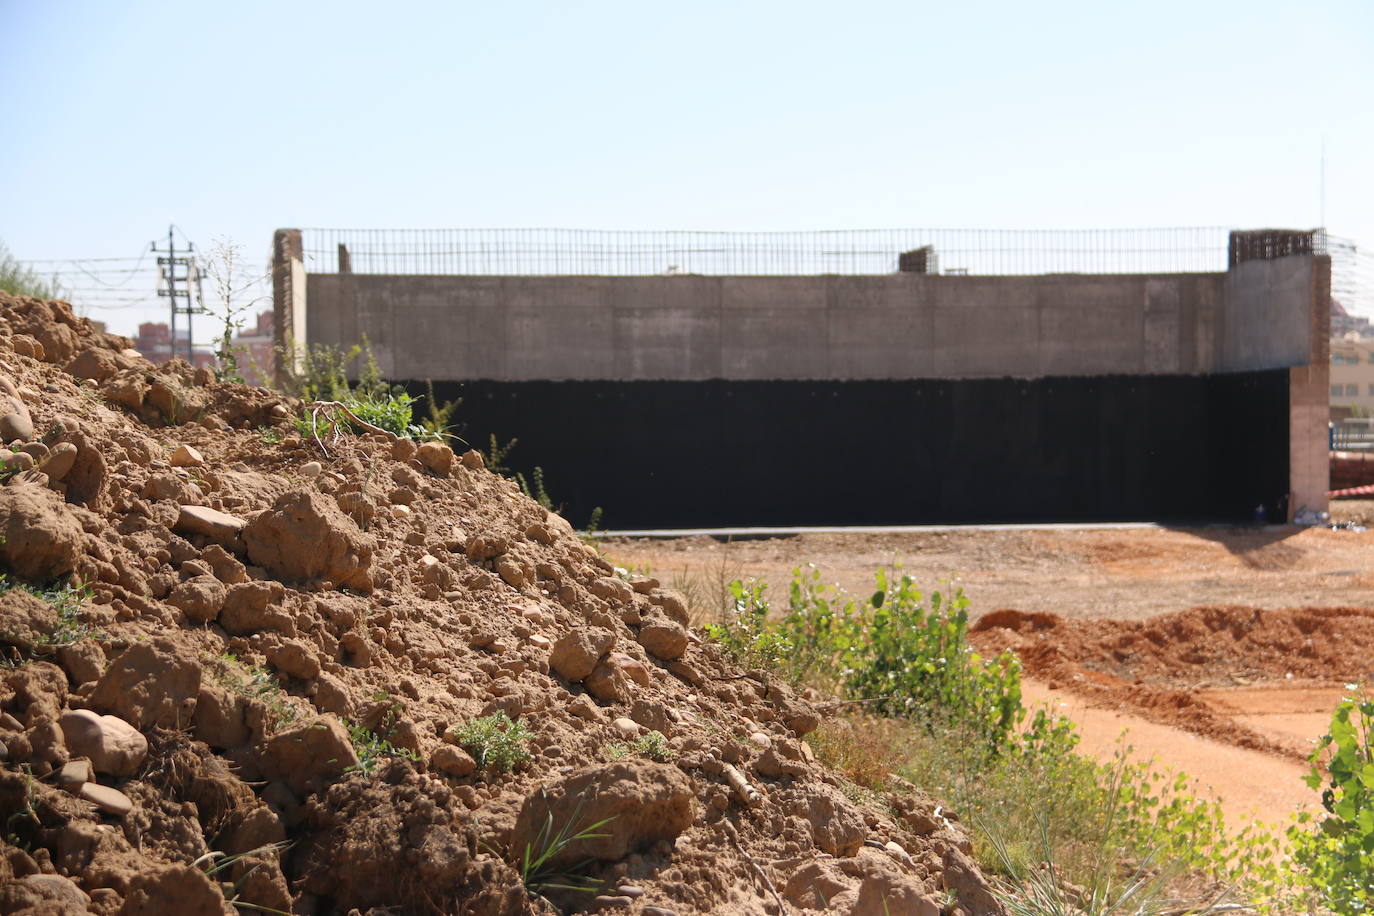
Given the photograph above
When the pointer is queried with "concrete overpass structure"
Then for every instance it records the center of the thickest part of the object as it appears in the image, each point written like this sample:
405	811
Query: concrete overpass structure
910	396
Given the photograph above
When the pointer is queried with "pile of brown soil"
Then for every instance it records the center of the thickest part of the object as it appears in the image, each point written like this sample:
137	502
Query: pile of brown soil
1155	667
205	730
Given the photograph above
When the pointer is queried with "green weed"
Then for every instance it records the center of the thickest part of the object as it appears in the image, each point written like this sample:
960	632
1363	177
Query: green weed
67	599
494	741
939	716
905	655
373	749
535	870
653	745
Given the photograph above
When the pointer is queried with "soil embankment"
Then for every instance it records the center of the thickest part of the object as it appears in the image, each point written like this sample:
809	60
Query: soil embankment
269	698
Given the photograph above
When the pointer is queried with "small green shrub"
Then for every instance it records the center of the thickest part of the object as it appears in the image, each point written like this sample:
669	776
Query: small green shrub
323	376
746	634
494	741
436	423
1336	851
892	651
373	749
655	746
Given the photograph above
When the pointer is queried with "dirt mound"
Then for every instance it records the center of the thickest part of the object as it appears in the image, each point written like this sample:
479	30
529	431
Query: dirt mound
1155	667
269	697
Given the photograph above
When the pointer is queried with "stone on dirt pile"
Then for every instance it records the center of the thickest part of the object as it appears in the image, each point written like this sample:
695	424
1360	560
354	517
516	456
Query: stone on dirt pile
306	538
114	746
309	757
43	894
107	799
15	421
640	802
213	524
184	456
199	598
40	538
437	457
576	652
25	619
150	683
663	639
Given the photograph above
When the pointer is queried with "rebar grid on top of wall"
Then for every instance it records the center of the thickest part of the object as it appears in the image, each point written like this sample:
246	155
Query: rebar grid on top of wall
580	252
949	252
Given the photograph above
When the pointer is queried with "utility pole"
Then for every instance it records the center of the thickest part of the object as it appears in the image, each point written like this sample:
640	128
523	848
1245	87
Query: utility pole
176	274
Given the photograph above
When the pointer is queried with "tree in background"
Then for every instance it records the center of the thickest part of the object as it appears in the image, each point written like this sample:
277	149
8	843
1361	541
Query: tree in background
22	281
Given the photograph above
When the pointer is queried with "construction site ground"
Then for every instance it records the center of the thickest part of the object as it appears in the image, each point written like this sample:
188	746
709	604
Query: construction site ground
1219	651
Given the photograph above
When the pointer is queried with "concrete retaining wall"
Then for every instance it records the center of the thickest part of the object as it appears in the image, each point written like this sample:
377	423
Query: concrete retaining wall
665	346
903	326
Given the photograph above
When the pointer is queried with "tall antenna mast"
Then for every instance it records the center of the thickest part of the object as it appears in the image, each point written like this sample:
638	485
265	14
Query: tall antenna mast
1323	183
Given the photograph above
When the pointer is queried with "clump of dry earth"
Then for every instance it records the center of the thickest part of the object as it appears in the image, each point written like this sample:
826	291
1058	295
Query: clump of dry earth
398	588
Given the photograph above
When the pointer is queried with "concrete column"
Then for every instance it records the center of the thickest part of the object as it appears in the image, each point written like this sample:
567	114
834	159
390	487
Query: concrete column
1309	398
288	301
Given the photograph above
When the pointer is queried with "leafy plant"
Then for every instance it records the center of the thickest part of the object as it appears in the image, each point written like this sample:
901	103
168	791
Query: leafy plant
906	659
537	490
1337	851
437	421
495	456
653	745
496	742
746	633
937	715
535	865
67	599
616	750
373	749
323	376
918	664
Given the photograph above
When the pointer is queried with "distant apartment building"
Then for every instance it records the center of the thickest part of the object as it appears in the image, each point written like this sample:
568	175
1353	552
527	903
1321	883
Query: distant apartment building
1352	375
154	341
254	350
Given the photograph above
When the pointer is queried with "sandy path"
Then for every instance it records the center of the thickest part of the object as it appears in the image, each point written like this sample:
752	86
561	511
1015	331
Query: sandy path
1249	784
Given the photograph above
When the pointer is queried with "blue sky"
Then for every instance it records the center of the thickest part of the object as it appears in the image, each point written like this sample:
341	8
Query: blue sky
234	119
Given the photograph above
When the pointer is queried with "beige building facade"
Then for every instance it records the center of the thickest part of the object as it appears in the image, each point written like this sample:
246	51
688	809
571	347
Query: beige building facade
1352	374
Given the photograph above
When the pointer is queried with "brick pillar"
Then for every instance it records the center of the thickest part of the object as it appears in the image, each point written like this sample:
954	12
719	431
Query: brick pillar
288	300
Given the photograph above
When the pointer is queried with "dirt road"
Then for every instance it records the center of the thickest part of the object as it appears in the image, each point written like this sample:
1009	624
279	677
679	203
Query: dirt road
1117	574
